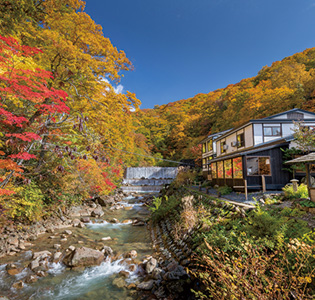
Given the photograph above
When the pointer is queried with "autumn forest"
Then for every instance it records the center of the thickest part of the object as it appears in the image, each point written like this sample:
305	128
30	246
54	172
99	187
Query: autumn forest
62	121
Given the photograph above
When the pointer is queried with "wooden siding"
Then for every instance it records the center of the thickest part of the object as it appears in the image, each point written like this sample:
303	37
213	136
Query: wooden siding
279	178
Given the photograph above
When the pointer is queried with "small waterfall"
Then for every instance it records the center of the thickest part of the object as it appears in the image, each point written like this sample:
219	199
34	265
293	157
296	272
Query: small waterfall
148	179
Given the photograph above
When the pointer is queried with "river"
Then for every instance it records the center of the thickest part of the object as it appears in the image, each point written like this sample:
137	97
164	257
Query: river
95	283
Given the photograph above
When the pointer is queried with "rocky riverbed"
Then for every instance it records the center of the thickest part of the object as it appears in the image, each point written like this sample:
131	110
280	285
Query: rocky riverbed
100	250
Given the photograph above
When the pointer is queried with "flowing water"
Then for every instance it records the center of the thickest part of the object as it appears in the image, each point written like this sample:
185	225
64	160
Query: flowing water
95	282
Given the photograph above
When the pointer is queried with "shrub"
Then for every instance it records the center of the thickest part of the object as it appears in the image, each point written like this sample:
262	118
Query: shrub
225	190
163	207
26	203
289	193
184	177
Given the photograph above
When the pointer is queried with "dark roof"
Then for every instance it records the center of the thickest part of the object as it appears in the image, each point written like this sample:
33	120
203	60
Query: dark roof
269	120
289	111
214	135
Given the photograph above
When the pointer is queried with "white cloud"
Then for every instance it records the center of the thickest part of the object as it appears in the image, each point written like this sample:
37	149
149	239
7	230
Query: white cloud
118	89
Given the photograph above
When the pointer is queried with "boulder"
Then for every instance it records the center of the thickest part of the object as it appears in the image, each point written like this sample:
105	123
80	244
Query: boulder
98	212
105	201
114	220
85	220
151	265
84	257
41	255
30	279
107	251
13	269
75	222
57	257
13	241
131	254
18	285
119	282
124	274
146	285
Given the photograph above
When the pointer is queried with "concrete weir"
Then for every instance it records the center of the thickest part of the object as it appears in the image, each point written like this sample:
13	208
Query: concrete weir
147	179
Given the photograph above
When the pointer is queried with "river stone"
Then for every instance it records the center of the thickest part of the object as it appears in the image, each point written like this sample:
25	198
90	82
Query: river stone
107	238
18	285
68	232
57	246
30	279
107	251
34	264
71	248
132	268
127	221
41	274
84	257
75	222
57	257
98	212
131	254
63	240
124	274
119	282
81	225
158	273
13	241
151	265
85	219
138	223
146	285
3	298
41	255
114	220
13	269
105	201
21	246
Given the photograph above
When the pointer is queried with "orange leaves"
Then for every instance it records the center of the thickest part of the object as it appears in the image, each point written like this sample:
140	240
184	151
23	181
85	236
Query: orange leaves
10	165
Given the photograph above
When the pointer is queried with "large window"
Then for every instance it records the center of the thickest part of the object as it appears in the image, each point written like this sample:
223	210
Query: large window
203	148
237	167
220	172
228	171
214	170
272	131
258	166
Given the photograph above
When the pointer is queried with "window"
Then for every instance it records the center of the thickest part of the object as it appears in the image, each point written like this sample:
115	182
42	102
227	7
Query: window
272	131
258	166
240	140
295	116
223	147
204	163
220	173
228	171
214	170
237	167
203	148
209	146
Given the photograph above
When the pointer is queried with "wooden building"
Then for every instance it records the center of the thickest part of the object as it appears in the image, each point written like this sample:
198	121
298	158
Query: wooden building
253	151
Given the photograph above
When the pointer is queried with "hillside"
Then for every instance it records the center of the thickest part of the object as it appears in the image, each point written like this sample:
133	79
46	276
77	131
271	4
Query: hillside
174	129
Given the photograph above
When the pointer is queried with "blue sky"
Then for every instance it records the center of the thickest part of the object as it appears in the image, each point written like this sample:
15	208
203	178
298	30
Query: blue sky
180	48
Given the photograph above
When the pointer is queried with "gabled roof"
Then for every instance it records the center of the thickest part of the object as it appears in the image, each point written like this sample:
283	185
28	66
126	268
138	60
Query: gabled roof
289	111
269	120
303	159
